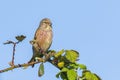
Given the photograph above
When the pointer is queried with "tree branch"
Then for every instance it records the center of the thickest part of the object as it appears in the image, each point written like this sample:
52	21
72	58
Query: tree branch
18	66
47	57
13	54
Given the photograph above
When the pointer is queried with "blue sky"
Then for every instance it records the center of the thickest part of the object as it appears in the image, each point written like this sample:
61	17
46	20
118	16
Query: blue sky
91	27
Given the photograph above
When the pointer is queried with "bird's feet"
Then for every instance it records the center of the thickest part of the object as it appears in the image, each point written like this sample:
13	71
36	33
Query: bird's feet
38	59
33	42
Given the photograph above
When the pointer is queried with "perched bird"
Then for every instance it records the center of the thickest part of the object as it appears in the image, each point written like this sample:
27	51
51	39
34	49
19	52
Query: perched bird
42	39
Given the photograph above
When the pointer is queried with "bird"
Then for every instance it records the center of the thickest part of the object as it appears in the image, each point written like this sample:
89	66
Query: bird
42	39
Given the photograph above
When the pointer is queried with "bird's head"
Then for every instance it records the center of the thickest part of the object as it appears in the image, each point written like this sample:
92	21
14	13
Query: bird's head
46	21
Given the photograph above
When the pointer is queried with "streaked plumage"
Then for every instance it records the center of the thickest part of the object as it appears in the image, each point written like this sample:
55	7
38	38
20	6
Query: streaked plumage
42	39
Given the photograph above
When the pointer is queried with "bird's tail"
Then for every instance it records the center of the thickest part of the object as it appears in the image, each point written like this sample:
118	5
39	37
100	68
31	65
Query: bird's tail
32	60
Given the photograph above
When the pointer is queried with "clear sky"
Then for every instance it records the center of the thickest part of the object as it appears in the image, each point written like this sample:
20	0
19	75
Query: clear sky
91	27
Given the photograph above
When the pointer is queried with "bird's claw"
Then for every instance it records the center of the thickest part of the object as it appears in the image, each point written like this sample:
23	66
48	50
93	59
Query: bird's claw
39	59
32	42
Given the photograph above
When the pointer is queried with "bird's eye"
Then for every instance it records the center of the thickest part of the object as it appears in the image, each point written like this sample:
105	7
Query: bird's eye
44	22
50	24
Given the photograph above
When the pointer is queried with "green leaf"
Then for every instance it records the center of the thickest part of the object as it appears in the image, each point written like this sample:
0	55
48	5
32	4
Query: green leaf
59	53
82	66
58	75
20	38
41	70
63	71
72	74
97	76
87	75
71	55
74	66
77	66
90	76
63	76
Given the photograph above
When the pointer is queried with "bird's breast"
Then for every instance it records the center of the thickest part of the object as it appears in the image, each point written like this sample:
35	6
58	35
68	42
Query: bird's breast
44	39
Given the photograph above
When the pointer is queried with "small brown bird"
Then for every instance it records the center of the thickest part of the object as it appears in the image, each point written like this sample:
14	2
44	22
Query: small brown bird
42	39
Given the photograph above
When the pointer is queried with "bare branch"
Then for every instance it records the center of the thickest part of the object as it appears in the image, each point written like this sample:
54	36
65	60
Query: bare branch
13	54
18	66
48	56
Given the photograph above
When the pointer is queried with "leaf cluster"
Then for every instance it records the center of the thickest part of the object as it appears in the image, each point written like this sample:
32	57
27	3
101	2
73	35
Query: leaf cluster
66	61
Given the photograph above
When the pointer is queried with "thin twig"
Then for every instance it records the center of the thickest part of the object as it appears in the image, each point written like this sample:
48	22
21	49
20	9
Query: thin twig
14	45
50	54
18	66
13	56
